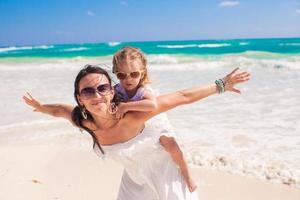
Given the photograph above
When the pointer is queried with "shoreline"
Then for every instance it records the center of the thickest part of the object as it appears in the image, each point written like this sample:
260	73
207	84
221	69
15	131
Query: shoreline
60	172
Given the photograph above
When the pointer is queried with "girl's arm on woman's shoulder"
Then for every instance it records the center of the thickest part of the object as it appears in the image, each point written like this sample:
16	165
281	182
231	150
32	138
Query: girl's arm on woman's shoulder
55	110
147	104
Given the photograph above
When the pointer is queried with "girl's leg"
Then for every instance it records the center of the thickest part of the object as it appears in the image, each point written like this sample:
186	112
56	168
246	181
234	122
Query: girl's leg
171	146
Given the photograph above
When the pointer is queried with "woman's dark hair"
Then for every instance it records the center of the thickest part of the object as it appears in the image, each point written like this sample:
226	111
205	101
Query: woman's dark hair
77	117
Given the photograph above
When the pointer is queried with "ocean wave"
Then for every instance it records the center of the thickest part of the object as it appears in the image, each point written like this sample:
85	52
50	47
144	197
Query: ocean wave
251	59
21	125
44	47
162	59
289	44
74	63
264	167
182	63
177	46
244	43
44	131
75	49
5	49
213	45
262	55
275	63
112	44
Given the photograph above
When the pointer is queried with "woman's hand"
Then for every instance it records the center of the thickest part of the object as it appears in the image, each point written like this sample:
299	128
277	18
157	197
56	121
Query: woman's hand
29	100
55	110
234	78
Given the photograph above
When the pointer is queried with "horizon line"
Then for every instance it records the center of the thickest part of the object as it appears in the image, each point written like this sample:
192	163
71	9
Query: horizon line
140	41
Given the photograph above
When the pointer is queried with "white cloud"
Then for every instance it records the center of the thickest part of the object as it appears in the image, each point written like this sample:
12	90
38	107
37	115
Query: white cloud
298	11
90	13
229	3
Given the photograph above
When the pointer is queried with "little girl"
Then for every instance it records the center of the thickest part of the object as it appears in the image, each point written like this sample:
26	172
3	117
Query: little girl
129	65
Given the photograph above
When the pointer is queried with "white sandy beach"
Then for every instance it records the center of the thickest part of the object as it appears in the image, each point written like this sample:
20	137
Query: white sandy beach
49	172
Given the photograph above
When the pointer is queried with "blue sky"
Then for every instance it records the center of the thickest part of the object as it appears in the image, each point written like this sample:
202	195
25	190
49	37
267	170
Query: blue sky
30	22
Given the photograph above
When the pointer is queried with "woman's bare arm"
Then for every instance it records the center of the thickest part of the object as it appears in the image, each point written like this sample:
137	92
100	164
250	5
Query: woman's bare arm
55	110
187	96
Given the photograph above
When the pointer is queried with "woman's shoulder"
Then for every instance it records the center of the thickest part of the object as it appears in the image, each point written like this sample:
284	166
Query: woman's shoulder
89	124
131	119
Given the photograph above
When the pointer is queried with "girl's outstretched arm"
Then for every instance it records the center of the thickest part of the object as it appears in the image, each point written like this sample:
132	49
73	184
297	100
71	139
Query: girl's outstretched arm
55	110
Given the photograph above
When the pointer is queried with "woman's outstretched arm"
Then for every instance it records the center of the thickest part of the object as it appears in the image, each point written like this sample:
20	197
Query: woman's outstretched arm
55	110
191	95
187	96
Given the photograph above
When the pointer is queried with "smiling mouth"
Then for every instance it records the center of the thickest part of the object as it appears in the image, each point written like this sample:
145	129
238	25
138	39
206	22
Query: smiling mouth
97	103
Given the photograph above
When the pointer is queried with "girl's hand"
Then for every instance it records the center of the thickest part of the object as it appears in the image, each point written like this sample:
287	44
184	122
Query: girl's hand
234	78
121	110
29	100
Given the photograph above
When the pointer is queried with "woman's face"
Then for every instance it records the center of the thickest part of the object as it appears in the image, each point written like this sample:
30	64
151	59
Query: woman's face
95	93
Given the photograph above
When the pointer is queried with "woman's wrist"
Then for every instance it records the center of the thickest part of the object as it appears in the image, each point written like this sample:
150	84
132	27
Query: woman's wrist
220	83
41	108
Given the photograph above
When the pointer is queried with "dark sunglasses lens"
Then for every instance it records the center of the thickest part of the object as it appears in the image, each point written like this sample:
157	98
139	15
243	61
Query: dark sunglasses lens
103	89
135	74
87	92
121	76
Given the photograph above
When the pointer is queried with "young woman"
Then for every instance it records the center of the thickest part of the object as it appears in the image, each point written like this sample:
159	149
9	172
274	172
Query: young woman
133	140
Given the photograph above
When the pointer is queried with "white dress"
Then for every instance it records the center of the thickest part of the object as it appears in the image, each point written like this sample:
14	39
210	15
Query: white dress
149	171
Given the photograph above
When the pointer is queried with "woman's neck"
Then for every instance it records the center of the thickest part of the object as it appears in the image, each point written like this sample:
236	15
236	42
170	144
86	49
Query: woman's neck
105	121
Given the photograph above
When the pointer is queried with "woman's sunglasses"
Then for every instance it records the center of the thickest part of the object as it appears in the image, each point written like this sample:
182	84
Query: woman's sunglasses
89	92
122	75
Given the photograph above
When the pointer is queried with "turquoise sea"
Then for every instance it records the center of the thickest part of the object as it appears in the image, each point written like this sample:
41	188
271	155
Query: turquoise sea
286	46
256	134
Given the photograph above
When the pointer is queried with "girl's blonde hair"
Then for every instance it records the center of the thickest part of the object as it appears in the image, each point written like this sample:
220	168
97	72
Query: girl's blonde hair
129	54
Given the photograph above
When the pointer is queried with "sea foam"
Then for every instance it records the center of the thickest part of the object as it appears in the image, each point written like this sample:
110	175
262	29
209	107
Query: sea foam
5	49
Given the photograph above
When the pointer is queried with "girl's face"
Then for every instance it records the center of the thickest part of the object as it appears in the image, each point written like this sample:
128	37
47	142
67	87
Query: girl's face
130	73
95	93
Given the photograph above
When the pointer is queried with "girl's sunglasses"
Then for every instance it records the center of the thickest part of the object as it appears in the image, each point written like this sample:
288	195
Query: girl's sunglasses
122	75
89	92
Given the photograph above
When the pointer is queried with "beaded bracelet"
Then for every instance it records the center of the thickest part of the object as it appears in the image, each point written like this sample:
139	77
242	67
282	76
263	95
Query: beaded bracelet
220	85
